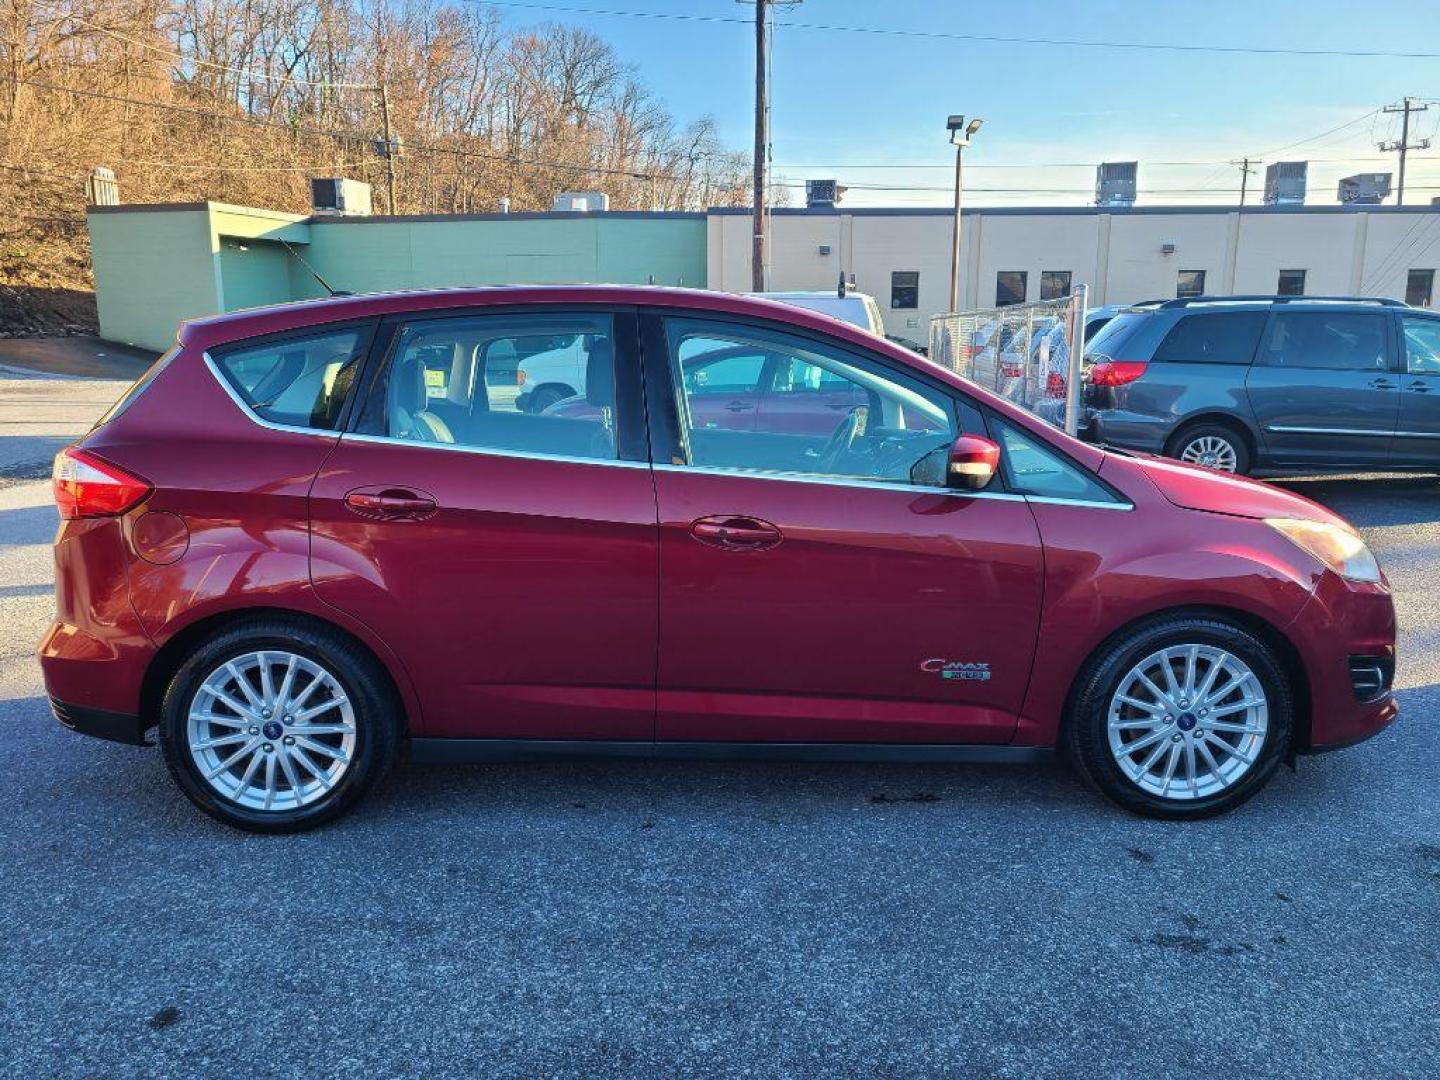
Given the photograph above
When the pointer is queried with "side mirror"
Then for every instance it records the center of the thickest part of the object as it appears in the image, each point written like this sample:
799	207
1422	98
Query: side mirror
971	462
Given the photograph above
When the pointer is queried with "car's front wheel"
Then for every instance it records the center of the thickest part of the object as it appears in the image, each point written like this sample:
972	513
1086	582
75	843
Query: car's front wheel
1182	717
276	726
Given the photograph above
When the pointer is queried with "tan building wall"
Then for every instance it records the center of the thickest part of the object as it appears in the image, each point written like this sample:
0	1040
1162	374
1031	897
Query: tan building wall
1120	255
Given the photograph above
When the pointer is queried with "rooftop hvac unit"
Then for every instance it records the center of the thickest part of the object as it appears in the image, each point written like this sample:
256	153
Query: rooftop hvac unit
334	196
1115	183
1365	189
582	202
1285	183
822	194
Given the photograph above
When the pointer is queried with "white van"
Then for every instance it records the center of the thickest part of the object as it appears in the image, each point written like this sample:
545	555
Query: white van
856	308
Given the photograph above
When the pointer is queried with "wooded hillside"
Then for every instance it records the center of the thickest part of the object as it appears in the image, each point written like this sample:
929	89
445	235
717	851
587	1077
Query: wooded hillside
243	100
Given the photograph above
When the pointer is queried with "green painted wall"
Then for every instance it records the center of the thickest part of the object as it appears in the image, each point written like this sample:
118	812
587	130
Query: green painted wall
153	269
157	267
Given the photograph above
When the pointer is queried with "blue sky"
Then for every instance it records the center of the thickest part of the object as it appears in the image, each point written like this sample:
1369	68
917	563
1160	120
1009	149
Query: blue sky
846	100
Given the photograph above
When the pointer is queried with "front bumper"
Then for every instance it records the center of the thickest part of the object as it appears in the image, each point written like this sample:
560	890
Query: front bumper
117	727
1344	628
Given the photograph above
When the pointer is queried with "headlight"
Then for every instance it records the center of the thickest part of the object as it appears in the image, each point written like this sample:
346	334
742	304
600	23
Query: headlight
1339	549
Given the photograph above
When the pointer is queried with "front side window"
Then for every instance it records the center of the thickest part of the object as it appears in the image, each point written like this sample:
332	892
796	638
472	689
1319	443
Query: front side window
1422	346
299	382
1190	283
1419	288
905	289
463	382
813	409
1010	287
1290	283
1032	468
1215	337
1054	284
1333	340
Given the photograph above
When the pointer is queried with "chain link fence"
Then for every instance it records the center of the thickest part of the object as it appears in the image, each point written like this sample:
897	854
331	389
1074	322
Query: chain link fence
1029	354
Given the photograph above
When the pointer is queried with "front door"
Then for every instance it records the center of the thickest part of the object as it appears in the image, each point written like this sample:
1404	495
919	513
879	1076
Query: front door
508	559
818	584
1322	388
1417	434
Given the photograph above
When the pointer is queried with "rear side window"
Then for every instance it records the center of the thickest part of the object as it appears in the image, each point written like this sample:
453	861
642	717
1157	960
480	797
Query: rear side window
300	382
1331	340
1212	338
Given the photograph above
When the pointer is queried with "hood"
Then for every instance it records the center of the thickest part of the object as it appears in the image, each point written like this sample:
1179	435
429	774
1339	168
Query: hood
1194	488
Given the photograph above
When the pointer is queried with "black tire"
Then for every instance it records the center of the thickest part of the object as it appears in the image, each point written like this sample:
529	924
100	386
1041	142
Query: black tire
1210	430
1087	734
376	715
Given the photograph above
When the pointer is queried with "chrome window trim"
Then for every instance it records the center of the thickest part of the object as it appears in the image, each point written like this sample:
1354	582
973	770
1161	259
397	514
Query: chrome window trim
883	485
244	406
493	451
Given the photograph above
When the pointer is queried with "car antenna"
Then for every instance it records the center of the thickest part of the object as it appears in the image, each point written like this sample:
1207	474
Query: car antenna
314	273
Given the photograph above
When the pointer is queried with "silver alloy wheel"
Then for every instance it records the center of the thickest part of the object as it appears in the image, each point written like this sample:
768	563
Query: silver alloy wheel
271	730
1188	722
1211	452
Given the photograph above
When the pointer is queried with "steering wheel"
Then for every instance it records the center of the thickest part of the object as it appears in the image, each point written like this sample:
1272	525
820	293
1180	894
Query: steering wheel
842	439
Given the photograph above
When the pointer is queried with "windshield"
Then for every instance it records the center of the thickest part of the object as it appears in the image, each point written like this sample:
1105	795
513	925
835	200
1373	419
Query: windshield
1112	336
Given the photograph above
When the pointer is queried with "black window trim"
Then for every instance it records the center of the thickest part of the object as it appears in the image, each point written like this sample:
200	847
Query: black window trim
368	327
631	438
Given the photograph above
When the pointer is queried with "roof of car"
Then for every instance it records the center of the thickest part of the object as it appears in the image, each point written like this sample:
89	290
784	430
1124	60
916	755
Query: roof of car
253	322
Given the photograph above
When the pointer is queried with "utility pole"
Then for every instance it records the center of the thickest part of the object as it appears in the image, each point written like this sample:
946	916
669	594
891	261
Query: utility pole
960	135
762	143
1245	172
389	149
1405	108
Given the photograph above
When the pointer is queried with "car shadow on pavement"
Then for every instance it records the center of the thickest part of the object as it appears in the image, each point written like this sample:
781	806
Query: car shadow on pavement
25	525
1408	500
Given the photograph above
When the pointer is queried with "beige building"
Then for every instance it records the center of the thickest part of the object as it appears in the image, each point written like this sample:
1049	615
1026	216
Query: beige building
902	257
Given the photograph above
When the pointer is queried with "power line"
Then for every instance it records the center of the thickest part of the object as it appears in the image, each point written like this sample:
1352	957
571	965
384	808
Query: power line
1066	164
942	35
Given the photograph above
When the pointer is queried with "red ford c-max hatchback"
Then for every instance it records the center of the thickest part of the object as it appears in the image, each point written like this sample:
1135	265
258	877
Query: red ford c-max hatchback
314	533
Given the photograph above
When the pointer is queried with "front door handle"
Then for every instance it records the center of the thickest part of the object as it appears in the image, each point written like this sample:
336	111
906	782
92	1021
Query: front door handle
740	406
391	504
1382	384
735	532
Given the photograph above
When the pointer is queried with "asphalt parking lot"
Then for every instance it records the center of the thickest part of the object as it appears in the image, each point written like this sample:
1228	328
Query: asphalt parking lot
664	919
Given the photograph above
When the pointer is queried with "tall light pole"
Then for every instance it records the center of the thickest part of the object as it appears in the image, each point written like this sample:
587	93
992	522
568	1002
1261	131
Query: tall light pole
762	143
960	135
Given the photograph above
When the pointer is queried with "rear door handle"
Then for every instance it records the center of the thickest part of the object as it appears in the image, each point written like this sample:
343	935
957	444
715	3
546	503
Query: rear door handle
1419	388
740	406
391	504
735	533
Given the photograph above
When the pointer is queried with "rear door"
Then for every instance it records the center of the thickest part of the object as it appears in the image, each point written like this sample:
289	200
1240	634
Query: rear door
508	559
1417	435
818	584
1323	389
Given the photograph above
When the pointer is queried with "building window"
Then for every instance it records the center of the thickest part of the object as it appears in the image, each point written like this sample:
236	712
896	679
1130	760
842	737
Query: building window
905	289
1190	283
1291	283
1054	284
1420	288
1010	287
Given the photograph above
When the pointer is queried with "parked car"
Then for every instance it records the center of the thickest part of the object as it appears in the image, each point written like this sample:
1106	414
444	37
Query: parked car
856	308
283	550
1267	384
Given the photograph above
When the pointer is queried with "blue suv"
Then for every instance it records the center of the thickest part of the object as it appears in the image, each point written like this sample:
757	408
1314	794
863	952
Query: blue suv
1269	383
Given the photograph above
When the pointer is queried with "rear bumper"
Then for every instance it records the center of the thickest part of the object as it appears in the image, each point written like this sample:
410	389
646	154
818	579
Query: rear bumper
1133	431
117	727
1341	622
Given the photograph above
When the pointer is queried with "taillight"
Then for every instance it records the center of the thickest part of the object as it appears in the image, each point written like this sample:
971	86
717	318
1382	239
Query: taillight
87	487
1055	385
1109	372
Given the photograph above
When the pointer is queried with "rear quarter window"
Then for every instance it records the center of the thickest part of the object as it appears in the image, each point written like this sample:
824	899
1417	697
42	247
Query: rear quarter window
1111	339
1227	337
299	382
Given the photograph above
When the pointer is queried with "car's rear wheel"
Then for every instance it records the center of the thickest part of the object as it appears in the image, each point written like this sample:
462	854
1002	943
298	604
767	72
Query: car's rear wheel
276	726
1212	446
1181	717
